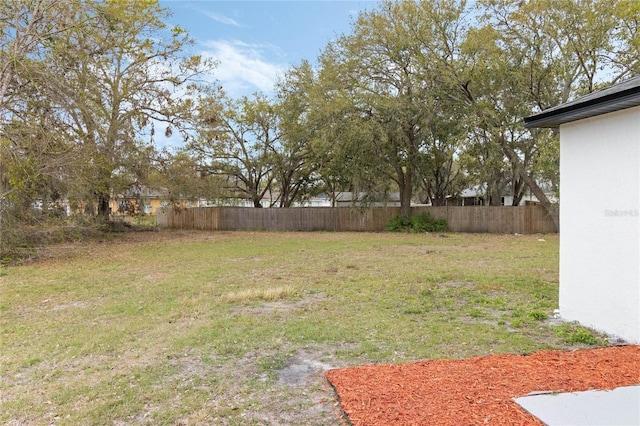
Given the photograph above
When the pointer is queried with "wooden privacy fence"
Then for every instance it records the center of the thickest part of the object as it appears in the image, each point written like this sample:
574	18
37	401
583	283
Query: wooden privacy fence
497	220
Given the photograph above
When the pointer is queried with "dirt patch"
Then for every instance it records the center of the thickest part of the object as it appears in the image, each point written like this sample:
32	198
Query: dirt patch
302	367
297	394
456	284
282	306
157	276
476	390
63	306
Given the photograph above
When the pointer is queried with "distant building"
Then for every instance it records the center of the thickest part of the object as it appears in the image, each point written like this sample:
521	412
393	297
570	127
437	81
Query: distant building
475	196
350	199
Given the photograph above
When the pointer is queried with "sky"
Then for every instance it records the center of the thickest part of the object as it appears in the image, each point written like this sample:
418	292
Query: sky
254	42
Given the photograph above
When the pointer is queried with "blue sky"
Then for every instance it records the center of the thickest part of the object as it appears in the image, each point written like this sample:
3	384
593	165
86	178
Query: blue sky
255	41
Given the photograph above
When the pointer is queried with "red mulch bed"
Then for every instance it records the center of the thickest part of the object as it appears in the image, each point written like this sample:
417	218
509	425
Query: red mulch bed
478	390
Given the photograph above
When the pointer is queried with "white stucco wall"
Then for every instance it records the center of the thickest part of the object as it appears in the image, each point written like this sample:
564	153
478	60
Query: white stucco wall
600	223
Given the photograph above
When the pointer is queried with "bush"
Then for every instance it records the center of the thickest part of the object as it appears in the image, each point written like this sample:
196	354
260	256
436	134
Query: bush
398	224
423	222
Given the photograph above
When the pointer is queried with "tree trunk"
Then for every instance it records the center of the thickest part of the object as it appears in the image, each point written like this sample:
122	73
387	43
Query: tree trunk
518	191
549	207
405	187
439	200
405	203
406	191
495	196
103	206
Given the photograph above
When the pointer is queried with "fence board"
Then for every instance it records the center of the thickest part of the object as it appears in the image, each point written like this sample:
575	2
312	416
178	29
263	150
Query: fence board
487	219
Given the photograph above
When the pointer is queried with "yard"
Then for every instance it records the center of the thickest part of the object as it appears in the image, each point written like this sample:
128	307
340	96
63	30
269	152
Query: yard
234	328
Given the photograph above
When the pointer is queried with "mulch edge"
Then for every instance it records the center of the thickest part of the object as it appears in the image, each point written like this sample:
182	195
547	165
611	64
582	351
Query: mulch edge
573	357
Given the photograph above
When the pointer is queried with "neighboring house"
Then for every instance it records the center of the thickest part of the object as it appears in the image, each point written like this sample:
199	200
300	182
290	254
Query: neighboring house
144	201
600	241
475	196
350	199
271	199
321	200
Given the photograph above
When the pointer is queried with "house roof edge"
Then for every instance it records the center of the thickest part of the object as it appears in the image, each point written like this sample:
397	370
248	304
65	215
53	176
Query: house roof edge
615	98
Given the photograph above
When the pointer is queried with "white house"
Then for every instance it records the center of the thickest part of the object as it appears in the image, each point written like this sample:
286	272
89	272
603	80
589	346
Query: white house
475	196
600	208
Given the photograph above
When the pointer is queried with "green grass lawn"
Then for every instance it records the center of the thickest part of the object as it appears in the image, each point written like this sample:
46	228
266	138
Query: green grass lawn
199	327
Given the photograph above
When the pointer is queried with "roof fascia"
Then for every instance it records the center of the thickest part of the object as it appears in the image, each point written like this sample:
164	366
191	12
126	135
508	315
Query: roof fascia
589	108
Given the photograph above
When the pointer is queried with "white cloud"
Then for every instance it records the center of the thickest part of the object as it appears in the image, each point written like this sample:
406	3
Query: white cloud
242	68
222	19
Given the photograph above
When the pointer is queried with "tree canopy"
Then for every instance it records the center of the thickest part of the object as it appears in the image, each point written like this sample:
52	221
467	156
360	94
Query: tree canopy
424	98
84	86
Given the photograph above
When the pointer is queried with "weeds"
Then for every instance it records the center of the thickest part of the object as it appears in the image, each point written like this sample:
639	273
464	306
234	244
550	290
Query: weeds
538	316
574	333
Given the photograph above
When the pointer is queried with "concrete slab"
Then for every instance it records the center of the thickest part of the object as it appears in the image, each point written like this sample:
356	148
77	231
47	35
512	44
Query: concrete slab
617	407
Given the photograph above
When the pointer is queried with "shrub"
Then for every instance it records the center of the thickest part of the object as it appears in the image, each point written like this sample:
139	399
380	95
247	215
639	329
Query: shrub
398	224
422	222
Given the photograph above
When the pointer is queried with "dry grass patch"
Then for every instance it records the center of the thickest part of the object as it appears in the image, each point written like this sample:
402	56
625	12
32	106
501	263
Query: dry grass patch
265	294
